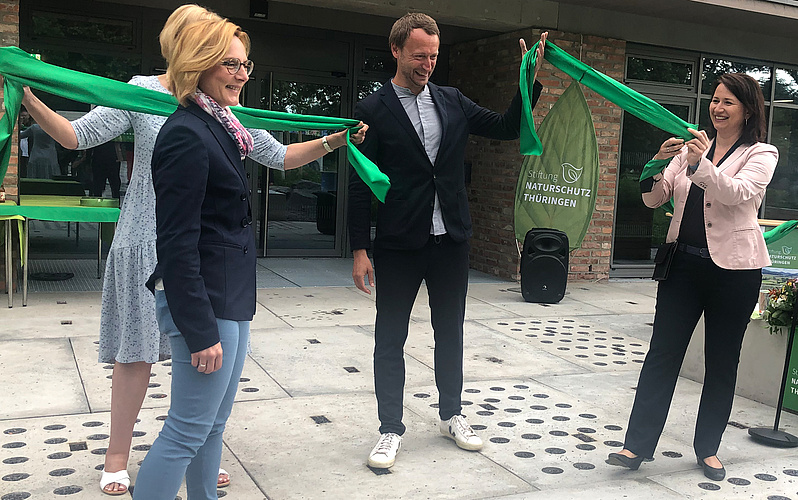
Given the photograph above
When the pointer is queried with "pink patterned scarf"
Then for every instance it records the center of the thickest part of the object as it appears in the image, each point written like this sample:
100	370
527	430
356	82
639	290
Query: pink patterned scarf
240	135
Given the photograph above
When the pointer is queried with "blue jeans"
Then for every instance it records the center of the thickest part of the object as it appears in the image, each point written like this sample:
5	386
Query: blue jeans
190	443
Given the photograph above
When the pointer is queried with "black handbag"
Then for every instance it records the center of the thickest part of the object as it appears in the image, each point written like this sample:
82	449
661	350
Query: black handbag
663	260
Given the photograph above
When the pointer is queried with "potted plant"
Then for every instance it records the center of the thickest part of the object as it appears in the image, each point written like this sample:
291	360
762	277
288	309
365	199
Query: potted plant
780	305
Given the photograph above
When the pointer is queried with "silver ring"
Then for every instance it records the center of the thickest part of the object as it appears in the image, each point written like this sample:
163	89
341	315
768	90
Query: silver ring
202	366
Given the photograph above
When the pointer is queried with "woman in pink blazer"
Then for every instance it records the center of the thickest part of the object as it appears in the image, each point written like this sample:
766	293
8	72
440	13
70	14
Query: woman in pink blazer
717	181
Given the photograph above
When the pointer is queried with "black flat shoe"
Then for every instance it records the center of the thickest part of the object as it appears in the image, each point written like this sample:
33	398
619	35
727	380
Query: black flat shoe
624	461
712	472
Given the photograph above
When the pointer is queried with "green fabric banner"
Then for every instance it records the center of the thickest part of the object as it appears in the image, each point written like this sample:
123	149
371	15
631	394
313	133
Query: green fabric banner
782	243
20	68
779	232
627	99
558	188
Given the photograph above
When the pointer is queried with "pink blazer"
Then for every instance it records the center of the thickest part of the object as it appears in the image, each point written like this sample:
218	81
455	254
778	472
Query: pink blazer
732	196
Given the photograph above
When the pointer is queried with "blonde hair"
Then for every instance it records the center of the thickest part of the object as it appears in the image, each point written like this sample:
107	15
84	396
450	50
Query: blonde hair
198	48
179	19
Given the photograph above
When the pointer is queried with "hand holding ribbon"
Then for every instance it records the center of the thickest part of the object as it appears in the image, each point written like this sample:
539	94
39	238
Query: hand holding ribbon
20	68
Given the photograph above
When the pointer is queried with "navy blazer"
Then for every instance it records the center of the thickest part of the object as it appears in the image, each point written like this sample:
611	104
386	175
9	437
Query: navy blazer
404	220
205	245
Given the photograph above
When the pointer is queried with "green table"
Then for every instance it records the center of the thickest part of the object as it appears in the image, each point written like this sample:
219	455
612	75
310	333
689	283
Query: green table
59	209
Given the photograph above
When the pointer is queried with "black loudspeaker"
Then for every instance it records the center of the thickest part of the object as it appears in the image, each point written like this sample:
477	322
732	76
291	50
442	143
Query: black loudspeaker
544	265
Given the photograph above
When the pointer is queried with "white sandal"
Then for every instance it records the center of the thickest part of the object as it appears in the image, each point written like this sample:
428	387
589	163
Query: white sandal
119	477
225	485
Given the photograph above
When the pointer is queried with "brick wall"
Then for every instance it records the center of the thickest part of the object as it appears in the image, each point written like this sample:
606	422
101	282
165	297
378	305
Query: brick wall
487	71
9	35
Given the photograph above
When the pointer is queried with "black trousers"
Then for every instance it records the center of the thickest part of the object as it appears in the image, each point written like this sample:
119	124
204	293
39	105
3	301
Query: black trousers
102	172
443	264
726	298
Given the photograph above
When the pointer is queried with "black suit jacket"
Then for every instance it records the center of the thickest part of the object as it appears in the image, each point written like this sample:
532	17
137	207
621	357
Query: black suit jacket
206	247
403	222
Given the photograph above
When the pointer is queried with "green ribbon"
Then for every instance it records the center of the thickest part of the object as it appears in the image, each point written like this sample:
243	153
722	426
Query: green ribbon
20	68
627	99
779	232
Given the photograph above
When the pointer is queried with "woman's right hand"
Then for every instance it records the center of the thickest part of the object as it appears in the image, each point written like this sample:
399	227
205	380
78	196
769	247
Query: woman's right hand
670	148
208	360
27	96
697	146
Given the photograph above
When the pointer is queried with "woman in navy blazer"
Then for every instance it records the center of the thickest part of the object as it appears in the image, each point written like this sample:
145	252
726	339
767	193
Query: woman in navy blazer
204	282
717	186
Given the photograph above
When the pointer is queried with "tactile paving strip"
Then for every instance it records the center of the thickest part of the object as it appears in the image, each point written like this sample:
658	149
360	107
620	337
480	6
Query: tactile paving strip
577	341
775	479
544	436
54	457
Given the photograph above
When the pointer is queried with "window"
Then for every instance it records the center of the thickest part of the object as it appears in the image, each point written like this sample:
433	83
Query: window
75	28
786	86
381	61
714	67
659	71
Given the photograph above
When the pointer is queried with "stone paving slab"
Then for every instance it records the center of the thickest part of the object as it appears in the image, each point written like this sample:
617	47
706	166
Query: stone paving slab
489	354
475	307
39	377
635	286
611	490
508	297
96	377
61	457
775	479
575	340
328	460
339	359
265	318
319	307
52	315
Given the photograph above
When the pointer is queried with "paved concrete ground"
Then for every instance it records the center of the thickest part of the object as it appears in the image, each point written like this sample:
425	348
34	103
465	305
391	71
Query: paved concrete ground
548	386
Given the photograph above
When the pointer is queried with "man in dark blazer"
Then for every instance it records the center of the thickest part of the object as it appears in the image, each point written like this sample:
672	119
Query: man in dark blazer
417	136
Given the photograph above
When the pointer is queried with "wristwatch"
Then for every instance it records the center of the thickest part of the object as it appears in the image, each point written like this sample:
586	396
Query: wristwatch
326	144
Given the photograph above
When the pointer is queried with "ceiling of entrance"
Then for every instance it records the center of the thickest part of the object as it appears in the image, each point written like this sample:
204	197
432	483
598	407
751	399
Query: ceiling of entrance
471	19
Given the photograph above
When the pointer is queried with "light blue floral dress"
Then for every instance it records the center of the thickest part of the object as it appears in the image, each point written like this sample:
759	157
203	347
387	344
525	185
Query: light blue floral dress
128	329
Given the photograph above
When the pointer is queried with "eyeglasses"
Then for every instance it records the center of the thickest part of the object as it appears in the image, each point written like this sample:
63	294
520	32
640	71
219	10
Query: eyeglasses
234	65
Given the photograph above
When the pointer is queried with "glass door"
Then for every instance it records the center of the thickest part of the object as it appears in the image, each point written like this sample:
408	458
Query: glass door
639	230
301	210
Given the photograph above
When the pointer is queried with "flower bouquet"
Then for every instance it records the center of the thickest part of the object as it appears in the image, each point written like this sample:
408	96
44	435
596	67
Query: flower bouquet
781	305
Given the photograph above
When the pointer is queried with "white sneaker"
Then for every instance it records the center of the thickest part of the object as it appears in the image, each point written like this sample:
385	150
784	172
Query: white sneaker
384	454
457	428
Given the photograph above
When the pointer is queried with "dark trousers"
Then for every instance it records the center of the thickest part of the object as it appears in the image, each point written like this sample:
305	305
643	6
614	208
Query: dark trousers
443	265
726	298
102	172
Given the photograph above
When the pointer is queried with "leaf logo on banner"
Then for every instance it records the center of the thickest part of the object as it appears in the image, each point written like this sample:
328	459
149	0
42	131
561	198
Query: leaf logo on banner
558	188
570	173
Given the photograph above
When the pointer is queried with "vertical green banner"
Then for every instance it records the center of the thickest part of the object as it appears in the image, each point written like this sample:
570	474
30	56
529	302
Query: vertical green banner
790	401
784	251
557	189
